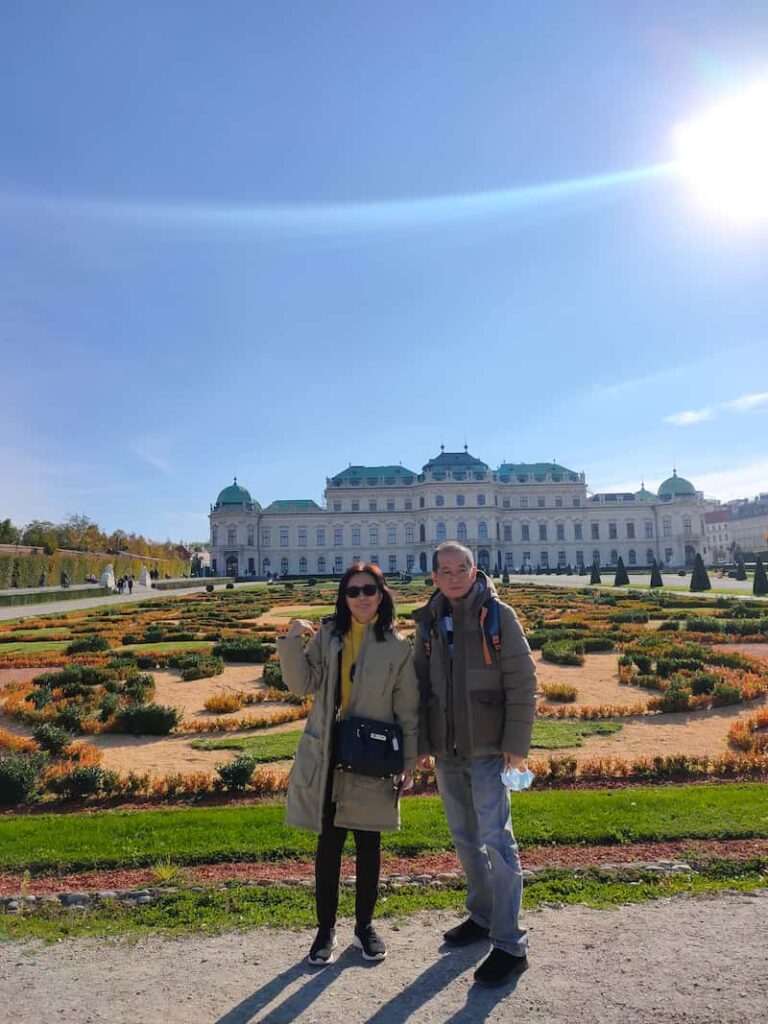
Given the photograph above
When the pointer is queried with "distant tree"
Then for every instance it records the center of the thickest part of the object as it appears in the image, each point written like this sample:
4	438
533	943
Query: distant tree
595	576
621	579
9	534
699	576
656	580
760	582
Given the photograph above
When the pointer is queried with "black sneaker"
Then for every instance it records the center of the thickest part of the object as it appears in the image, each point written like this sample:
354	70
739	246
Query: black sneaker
370	943
321	950
499	967
464	933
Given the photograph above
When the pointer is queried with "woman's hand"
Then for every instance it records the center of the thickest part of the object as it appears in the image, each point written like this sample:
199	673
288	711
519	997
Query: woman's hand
404	781
424	762
298	627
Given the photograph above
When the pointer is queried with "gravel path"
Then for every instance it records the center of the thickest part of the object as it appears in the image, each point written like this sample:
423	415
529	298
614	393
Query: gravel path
679	961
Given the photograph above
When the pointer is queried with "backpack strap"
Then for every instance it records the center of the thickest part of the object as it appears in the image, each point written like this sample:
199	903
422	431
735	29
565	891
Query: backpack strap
490	628
426	637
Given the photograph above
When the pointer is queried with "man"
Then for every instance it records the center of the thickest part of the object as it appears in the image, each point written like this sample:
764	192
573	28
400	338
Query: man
477	684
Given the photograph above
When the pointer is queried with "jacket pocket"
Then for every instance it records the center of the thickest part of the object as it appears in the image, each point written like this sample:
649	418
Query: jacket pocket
306	765
486	709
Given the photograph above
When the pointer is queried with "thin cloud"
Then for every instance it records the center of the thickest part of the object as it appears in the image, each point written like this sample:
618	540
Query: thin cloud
690	416
144	450
745	403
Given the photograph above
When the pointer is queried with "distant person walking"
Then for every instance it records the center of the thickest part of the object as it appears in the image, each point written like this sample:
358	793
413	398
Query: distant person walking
478	700
130	584
355	664
41	580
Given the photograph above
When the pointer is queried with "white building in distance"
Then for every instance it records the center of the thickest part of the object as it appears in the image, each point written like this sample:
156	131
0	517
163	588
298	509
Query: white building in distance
519	517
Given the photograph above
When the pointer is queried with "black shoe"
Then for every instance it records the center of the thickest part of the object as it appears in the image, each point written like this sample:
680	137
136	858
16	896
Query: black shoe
466	932
370	943
499	967
321	950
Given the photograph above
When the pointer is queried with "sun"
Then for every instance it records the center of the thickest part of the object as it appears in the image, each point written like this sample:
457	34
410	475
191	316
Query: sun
723	152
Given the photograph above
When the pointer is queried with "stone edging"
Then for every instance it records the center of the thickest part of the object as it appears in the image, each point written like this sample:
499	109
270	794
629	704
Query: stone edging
83	901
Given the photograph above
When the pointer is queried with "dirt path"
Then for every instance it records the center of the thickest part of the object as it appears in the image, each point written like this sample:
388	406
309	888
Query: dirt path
681	961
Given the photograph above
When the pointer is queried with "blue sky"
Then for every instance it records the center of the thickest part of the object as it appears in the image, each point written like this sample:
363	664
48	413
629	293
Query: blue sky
271	239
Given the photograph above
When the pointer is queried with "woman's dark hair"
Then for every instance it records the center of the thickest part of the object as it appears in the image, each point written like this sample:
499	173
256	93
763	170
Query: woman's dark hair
342	618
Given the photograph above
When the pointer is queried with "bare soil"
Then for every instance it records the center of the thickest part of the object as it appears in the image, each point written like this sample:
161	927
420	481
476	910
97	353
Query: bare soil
671	961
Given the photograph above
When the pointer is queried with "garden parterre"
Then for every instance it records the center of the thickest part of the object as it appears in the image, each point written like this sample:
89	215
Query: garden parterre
670	645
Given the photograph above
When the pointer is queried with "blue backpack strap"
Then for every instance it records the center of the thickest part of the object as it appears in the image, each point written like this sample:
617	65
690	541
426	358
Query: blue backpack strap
492	623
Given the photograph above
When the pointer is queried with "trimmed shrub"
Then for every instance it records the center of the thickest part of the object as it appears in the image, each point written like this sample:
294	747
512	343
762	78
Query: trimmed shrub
243	649
726	693
88	643
20	777
52	738
85	780
222	703
595	574
591	644
656	580
147	719
621	578
209	587
273	676
559	691
703	682
699	576
563	652
230	586
760	581
238	773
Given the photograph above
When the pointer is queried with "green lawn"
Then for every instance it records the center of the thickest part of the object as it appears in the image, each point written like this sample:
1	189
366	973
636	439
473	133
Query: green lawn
279	746
257	832
168	645
275	746
238	907
550	735
32	647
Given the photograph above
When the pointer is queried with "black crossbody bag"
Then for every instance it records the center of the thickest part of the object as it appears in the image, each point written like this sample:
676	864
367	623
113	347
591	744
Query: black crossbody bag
366	746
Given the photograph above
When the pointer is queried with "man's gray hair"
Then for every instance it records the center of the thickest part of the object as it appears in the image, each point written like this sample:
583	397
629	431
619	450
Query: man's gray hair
454	548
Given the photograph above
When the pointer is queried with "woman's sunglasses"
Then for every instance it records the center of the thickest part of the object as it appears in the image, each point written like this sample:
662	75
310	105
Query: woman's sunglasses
369	589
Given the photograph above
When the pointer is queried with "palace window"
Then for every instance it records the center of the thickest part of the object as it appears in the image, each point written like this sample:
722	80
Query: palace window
302	564
283	536
580	558
409	561
666	527
409	504
214	535
523	502
440	532
371	506
577	502
391	535
338	536
373	535
250	540
687	527
284	566
232	535
577	532
632	556
630	531
355	506
337	506
320	537
596	560
338	563
544	559
648	528
507	531
509	559
595	528
482	530
561	559
668	555
560	531
356	537
542	531
409	535
558	502
613	532
649	556
393	563
460	500
374	559
541	502
439	500
614	557
525	532
265	537
321	564
481	499
302	536
461	531
390	504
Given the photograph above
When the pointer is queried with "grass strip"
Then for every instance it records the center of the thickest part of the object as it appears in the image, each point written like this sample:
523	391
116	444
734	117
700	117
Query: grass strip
107	839
280	746
238	907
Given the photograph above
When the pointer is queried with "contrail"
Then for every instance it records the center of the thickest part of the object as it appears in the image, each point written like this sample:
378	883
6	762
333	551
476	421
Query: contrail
343	218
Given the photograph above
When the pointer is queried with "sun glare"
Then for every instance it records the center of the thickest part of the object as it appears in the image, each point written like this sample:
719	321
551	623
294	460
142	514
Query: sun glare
724	154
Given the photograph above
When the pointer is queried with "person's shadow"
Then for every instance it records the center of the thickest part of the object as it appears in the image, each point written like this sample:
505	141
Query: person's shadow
318	980
480	1000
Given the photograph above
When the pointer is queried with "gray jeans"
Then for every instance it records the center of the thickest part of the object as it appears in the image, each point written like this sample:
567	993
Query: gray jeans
476	804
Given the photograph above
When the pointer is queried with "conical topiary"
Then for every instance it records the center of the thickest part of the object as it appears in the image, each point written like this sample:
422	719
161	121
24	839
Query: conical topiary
760	582
741	569
621	579
656	580
595	577
699	576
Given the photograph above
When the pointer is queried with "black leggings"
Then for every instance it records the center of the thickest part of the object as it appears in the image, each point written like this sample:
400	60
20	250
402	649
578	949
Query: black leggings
328	871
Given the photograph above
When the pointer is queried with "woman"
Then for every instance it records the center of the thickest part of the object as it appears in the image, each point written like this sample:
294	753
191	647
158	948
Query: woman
355	662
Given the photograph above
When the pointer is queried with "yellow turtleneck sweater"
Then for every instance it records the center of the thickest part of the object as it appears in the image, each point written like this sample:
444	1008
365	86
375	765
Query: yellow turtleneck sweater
350	653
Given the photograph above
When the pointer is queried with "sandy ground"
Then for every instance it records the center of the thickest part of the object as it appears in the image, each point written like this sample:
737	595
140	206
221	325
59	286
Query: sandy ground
697	733
681	961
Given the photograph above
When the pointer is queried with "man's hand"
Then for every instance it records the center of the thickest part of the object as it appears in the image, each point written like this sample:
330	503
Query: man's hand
513	761
424	762
298	627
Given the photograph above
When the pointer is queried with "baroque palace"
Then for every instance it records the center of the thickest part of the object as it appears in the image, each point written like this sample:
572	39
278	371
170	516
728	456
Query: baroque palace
519	517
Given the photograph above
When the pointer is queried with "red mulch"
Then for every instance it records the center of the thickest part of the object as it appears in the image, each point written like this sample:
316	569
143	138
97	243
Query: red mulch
533	857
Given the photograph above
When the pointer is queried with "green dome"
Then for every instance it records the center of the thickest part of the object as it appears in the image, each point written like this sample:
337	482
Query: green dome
676	487
644	494
234	495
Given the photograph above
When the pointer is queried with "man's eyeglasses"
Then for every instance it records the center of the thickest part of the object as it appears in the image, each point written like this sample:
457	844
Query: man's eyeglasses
368	589
460	574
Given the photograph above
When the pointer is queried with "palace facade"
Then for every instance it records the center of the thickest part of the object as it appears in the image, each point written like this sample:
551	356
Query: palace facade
519	517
